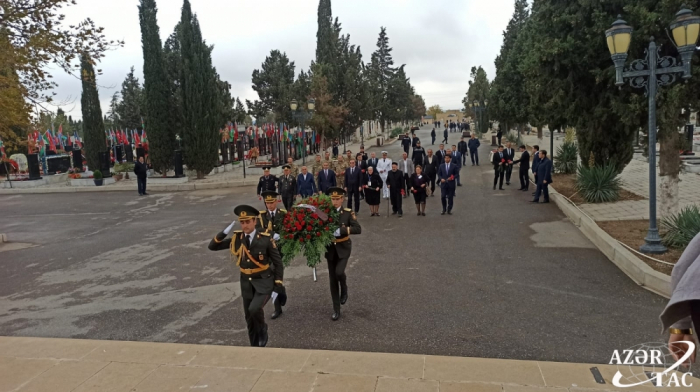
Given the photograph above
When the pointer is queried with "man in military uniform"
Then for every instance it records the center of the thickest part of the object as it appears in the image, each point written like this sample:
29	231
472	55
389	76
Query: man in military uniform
288	187
294	170
317	166
254	253
338	252
339	168
270	222
328	158
267	182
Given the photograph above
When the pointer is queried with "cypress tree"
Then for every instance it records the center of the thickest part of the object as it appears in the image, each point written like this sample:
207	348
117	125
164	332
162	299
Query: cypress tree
161	134
201	108
93	124
325	42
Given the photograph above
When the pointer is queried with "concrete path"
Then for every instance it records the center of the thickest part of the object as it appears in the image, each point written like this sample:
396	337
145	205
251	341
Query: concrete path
61	365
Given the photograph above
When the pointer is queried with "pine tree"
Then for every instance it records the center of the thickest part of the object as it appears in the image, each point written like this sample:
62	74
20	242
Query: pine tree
161	134
274	84
130	110
325	42
381	71
113	113
199	97
93	124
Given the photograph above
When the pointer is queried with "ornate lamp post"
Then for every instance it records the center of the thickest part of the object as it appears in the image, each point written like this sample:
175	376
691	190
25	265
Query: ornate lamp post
302	116
649	73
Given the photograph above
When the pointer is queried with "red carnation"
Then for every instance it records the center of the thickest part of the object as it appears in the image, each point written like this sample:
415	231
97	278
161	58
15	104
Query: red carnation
301	239
315	216
309	228
503	160
330	220
318	234
326	228
308	237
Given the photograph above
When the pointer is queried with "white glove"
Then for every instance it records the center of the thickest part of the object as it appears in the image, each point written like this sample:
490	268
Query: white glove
228	229
337	232
276	237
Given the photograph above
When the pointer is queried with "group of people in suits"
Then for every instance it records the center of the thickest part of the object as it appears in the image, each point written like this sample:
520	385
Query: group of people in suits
503	161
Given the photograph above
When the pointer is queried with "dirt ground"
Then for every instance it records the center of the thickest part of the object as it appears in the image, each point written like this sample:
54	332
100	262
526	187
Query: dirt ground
566	185
632	233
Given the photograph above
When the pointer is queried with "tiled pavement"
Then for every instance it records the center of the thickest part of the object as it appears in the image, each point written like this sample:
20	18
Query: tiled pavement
63	365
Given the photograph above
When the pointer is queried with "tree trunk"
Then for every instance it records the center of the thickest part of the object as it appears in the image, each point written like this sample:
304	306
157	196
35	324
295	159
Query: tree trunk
669	168
200	175
539	132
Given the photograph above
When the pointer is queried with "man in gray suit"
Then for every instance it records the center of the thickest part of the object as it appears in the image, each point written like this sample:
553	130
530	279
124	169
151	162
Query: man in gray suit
407	167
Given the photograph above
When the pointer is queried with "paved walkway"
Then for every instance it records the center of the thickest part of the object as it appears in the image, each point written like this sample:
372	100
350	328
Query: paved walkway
63	365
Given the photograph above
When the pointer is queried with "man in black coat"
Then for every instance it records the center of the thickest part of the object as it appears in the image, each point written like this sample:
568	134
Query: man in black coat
268	182
430	168
544	177
524	162
395	181
510	154
406	143
326	178
141	171
432	136
418	154
440	155
462	148
499	135
500	163
445	136
373	161
473	146
353	183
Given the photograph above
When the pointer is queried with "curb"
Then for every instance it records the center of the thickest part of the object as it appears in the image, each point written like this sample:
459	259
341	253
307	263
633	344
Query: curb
640	272
122	188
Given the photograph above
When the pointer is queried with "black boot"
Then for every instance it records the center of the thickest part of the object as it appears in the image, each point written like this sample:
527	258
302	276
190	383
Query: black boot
263	336
336	315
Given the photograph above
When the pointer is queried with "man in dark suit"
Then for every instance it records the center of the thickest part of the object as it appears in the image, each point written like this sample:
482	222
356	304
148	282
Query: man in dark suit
444	140
395	181
510	155
288	187
447	174
432	136
440	155
535	162
353	183
335	148
457	160
499	167
306	184
544	177
373	161
524	162
141	171
338	251
326	178
474	149
462	148
430	168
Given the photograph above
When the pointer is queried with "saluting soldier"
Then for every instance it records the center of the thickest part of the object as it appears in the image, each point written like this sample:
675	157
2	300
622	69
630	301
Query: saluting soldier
255	253
268	182
338	252
288	187
270	222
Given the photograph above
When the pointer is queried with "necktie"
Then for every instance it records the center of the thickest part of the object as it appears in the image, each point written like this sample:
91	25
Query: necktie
272	214
326	171
247	241
352	170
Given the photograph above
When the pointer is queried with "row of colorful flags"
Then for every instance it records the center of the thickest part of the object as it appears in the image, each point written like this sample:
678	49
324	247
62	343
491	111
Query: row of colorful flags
115	137
52	140
280	131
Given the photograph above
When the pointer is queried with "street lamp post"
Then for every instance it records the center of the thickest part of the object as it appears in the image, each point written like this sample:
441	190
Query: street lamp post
302	116
479	108
649	73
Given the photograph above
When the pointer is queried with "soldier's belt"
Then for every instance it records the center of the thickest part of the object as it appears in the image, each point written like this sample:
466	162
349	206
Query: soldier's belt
251	271
339	240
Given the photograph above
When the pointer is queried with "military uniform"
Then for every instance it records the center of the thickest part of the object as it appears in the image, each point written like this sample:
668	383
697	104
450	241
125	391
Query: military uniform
339	169
267	183
288	189
338	253
270	223
294	170
258	279
316	168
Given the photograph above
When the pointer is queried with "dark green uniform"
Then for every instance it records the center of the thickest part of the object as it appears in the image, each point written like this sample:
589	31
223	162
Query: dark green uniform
257	277
288	189
337	255
267	183
271	225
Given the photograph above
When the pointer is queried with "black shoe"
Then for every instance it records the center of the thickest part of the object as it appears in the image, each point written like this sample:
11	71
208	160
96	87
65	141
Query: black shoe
276	314
145	194
442	213
140	194
262	342
335	316
534	201
501	189
449	212
459	184
343	298
520	189
507	183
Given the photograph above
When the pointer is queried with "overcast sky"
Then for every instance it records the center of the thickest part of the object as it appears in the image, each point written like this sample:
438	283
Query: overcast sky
438	40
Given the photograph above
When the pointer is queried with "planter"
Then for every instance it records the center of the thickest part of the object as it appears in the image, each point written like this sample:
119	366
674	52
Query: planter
91	181
98	182
118	177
